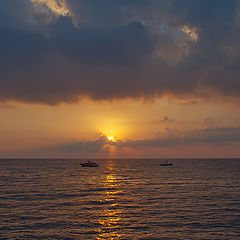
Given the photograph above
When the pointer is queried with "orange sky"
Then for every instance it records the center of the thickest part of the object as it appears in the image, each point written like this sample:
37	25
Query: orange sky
32	130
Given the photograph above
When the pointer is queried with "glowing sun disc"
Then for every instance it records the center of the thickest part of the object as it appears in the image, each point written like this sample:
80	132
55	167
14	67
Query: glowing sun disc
111	138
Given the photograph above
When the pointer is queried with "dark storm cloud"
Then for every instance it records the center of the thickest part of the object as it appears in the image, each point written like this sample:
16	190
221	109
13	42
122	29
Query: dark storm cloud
118	49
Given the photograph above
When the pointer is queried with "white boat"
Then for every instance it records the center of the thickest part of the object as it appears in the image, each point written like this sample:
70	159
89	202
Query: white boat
89	164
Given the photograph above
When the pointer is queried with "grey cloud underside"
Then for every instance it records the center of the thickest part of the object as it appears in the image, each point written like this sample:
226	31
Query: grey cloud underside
118	49
171	138
174	137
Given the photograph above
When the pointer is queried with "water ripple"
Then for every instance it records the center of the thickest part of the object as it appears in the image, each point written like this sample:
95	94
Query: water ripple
122	199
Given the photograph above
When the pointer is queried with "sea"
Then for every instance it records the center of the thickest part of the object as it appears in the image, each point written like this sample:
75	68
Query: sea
120	199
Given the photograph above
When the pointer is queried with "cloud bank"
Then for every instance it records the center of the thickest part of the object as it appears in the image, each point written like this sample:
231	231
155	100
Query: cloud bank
60	51
171	138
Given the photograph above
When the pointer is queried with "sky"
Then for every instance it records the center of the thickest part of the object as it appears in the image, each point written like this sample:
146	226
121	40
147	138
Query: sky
119	79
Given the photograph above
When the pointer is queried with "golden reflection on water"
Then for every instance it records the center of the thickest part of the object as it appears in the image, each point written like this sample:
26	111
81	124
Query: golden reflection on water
110	215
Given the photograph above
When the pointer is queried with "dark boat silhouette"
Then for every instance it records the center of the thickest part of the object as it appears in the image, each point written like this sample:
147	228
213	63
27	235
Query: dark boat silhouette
89	164
166	164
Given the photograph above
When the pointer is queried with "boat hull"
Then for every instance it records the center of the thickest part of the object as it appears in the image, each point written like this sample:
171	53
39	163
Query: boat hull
89	165
166	164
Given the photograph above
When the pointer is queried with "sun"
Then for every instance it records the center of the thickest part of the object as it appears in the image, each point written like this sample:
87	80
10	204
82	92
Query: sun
111	138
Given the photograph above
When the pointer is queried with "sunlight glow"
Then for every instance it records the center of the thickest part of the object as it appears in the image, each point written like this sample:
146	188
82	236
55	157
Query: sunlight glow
191	32
111	138
57	7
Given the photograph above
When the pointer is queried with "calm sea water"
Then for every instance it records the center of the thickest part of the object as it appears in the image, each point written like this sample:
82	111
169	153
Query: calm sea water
121	199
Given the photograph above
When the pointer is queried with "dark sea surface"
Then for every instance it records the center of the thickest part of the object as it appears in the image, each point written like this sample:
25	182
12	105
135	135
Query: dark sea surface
120	199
